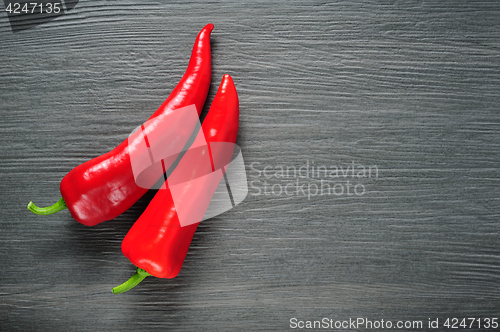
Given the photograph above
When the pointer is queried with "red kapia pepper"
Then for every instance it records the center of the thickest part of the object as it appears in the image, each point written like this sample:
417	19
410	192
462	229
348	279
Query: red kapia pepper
157	243
103	188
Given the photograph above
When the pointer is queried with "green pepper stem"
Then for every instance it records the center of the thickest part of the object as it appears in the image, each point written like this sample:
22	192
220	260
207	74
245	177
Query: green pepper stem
132	282
59	206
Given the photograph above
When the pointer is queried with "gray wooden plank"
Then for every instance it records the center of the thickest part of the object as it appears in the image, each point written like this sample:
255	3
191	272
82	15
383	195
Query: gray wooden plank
409	87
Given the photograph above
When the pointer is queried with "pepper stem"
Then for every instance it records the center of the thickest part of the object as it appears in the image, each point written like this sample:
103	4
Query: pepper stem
59	206
132	282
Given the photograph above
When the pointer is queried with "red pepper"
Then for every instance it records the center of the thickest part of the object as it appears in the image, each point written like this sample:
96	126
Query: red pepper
157	243
103	188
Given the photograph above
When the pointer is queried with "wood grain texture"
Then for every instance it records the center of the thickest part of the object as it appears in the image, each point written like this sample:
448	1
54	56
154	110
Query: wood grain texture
410	87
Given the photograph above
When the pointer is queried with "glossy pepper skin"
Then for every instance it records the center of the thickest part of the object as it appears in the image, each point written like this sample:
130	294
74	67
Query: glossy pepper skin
156	243
103	188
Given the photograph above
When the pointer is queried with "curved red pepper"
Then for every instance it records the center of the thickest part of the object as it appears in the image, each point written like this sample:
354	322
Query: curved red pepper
157	243
103	188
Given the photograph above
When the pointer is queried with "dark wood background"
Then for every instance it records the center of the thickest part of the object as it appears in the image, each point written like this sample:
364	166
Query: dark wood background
410	87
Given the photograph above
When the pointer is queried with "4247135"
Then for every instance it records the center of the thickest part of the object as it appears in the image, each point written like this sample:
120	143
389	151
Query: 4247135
33	8
467	323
